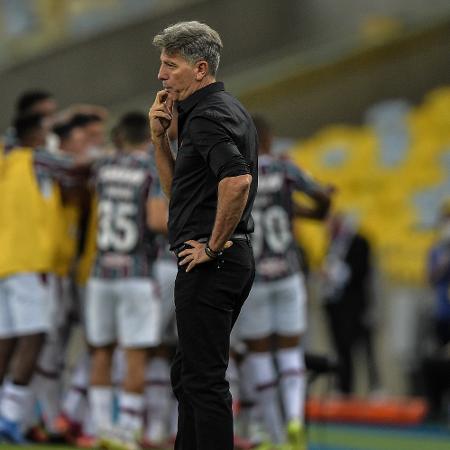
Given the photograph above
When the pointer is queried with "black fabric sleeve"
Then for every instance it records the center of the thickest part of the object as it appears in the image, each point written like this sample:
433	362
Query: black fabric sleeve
217	148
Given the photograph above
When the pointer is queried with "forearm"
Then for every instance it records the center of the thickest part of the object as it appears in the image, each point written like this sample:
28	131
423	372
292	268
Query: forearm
164	163
318	213
232	198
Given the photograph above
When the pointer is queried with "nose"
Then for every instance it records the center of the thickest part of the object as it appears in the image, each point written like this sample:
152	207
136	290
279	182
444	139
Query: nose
162	74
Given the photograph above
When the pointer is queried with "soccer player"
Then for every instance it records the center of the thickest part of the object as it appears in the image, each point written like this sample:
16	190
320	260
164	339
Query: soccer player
32	102
28	213
276	307
121	302
64	308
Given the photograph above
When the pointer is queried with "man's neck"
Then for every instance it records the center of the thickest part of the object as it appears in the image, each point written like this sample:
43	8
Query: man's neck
209	79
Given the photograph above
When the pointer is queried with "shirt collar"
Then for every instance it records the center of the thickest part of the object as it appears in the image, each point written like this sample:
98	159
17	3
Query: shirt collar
187	104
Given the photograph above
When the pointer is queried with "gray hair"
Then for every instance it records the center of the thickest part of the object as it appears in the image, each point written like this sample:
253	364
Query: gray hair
194	41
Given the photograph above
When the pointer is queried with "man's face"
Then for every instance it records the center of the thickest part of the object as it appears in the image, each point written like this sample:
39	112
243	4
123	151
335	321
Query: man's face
76	143
95	134
179	77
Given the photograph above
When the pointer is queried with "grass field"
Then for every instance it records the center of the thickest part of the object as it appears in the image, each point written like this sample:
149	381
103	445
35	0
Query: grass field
349	437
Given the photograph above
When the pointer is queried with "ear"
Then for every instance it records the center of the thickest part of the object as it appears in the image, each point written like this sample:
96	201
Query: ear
201	70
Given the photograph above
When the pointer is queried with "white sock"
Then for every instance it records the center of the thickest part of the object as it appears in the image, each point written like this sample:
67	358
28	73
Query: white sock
101	404
131	411
263	371
87	422
158	399
232	376
75	401
248	398
14	401
291	365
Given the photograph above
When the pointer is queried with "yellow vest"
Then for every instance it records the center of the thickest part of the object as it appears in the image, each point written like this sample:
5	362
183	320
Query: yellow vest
27	217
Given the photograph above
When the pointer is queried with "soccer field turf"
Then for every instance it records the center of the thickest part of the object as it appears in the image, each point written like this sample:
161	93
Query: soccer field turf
348	437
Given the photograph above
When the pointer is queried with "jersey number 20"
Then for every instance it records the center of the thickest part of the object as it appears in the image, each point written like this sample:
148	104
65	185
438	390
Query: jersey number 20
272	228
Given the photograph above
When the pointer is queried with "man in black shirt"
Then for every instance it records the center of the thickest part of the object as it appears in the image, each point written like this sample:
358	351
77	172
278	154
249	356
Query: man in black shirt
211	186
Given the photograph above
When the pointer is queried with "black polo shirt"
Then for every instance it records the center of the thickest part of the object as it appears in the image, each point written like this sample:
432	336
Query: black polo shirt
216	139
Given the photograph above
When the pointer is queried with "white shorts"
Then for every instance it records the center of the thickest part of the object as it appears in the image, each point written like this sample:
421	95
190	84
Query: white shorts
274	307
126	311
165	274
24	305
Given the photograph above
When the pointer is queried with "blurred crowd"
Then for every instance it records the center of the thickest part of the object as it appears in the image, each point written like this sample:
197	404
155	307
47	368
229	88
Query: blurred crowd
83	247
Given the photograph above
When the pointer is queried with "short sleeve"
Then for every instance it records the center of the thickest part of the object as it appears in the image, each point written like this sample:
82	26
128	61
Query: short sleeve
217	148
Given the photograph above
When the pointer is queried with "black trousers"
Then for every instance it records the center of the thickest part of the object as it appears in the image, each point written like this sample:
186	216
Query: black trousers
348	332
208	301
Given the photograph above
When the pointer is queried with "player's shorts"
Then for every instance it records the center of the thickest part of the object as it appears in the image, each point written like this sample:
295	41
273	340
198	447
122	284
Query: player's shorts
126	311
274	307
24	305
165	273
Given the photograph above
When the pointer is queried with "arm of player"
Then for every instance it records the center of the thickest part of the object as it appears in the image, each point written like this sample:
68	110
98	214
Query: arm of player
322	203
157	214
160	118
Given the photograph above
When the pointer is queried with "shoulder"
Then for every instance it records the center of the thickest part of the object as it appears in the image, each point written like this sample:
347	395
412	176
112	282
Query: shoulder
219	106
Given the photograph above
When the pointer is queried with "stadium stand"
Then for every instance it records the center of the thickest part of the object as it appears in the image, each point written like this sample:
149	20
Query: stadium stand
391	174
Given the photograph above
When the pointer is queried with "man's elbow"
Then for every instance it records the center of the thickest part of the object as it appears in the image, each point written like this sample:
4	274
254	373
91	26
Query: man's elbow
242	183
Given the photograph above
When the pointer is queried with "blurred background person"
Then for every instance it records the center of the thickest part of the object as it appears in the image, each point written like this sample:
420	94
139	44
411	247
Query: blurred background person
439	278
26	259
32	102
274	318
122	306
65	302
436	366
30	200
347	295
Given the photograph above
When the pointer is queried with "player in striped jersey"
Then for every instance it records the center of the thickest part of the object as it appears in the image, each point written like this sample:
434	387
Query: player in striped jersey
65	303
276	307
121	302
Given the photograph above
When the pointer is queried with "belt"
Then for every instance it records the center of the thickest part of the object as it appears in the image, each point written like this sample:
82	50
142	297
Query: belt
203	240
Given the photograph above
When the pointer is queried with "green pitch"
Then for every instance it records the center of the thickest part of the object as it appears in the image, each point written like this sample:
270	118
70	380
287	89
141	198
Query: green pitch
346	437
